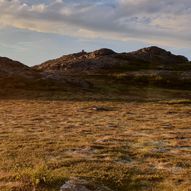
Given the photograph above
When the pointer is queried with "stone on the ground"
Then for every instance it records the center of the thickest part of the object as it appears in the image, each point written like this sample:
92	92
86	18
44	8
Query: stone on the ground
82	185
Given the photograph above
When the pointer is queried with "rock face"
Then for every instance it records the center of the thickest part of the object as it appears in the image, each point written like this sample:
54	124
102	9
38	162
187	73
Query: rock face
106	60
82	185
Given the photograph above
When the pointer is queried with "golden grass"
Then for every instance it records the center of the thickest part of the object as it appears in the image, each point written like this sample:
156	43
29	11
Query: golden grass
135	146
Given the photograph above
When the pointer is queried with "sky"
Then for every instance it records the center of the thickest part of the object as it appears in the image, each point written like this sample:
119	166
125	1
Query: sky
33	31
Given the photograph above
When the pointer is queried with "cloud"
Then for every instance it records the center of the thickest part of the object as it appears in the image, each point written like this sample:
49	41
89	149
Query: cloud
160	22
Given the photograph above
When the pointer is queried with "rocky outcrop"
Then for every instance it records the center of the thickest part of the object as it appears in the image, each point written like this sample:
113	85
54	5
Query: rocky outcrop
102	52
155	54
82	185
81	62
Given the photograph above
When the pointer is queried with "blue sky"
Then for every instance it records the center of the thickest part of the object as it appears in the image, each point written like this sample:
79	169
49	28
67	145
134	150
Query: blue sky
33	31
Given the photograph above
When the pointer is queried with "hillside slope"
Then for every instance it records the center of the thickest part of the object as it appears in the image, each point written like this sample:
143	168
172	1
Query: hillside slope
11	68
16	76
106	60
148	66
100	70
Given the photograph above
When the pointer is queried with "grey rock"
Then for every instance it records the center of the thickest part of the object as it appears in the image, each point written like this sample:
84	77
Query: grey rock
100	108
82	185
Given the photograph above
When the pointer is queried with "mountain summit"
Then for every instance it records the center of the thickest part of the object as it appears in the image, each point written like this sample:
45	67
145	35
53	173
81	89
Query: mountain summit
156	54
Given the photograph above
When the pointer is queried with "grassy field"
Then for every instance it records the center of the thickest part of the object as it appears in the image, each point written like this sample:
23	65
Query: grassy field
130	145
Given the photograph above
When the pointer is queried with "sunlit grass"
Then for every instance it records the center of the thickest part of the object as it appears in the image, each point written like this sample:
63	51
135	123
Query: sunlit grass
132	146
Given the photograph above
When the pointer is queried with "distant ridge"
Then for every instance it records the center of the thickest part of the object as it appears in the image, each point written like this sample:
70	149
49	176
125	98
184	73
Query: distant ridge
108	59
12	68
151	66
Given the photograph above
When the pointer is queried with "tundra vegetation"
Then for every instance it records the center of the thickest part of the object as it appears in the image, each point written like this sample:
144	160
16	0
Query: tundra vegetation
128	129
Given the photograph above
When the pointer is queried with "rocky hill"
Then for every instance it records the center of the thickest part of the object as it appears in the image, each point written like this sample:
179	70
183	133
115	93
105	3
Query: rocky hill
14	75
106	60
147	66
81	62
11	68
150	66
157	55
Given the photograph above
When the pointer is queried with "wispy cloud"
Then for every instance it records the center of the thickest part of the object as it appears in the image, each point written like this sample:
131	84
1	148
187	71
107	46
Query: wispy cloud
161	22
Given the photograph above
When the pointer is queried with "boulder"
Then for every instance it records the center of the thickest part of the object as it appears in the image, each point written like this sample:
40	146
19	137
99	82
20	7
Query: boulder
82	185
